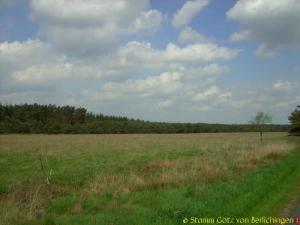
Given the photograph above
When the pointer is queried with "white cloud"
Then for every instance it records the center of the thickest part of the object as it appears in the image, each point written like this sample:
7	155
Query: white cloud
148	21
278	97
31	65
40	73
77	13
92	27
18	56
92	41
265	52
212	92
215	69
188	35
275	24
165	83
180	89
240	36
212	99
281	85
207	74
35	63
153	92
208	93
165	104
138	51
188	11
138	79
43	73
199	52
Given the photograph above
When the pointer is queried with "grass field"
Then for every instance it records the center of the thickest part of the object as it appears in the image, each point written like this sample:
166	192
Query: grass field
143	179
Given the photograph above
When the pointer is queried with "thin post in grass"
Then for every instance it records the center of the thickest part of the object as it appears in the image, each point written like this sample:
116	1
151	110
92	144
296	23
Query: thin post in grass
47	173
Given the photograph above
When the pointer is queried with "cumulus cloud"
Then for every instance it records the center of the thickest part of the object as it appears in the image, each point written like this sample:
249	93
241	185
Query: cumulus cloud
32	71
165	104
35	69
19	55
281	85
30	65
212	92
78	13
214	69
92	27
42	74
265	52
199	52
188	11
35	62
188	35
135	73
81	62
80	42
165	83
148	21
207	74
243	35
141	51
183	84
279	97
274	24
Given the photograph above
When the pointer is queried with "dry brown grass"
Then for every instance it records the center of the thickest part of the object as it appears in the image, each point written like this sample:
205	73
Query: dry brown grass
27	202
145	143
169	173
208	166
21	205
267	153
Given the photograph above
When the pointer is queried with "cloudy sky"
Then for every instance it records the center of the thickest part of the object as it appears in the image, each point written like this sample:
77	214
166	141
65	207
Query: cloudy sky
171	60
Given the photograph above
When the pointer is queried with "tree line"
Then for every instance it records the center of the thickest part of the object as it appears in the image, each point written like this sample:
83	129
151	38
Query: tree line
52	119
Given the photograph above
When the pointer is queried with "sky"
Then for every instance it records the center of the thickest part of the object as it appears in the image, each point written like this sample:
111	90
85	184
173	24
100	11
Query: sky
215	61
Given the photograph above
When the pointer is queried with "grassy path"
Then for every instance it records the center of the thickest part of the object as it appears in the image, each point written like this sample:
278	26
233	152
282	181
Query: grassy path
291	208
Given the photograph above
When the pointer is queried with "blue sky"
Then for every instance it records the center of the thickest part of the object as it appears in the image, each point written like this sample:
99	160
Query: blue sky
172	60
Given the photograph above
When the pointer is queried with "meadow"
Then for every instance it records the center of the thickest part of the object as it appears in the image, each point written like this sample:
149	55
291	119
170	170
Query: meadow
143	179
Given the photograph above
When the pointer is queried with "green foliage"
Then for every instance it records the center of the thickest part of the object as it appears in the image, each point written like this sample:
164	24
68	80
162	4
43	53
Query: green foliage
54	119
295	121
260	120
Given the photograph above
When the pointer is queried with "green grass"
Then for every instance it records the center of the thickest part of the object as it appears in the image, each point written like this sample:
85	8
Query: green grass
254	193
144	179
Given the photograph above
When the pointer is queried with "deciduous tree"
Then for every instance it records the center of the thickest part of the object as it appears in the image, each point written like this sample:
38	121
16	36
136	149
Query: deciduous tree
259	121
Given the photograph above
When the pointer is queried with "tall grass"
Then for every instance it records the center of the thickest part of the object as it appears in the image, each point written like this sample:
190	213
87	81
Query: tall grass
94	174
